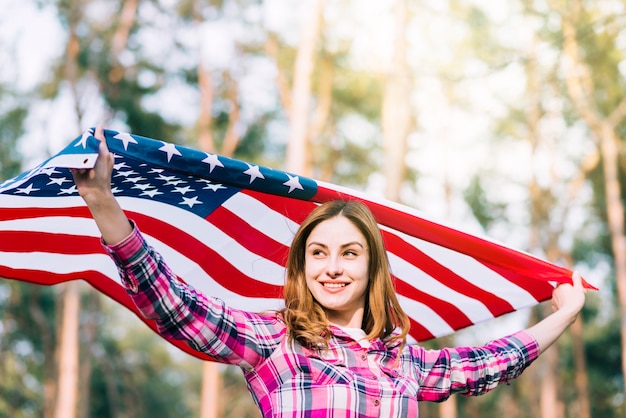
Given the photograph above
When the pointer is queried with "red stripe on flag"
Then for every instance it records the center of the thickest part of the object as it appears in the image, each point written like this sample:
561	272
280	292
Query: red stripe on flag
27	241
8	214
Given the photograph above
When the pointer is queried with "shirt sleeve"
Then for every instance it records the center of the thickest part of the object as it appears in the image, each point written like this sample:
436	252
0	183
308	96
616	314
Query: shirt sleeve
182	313
472	370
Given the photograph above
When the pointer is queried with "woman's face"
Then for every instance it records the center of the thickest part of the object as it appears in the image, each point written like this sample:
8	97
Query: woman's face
336	270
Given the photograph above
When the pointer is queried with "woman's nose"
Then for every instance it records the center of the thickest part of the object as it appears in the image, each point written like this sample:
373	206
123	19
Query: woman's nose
334	268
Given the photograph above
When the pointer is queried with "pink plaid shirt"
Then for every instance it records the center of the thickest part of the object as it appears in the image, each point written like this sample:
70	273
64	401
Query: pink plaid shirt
290	380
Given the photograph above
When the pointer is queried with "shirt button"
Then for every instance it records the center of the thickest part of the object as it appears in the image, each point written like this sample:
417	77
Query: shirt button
363	357
373	377
376	402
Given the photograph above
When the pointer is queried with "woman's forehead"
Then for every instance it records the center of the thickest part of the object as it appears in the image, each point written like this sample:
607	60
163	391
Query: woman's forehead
336	229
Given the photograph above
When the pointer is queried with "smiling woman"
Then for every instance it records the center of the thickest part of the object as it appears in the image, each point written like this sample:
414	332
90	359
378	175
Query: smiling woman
338	348
338	274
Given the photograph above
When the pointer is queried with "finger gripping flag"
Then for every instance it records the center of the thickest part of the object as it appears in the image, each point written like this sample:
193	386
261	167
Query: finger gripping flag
225	226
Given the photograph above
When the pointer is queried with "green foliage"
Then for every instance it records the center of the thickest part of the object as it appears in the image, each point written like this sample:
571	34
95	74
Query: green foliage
485	211
136	378
356	92
27	328
11	129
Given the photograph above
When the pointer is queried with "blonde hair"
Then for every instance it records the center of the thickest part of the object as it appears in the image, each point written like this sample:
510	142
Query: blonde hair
306	319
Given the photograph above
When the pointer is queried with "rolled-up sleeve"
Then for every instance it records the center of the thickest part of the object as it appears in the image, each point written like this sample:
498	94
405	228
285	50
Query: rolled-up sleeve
473	370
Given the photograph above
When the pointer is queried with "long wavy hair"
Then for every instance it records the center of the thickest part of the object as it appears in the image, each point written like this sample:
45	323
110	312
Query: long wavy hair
306	319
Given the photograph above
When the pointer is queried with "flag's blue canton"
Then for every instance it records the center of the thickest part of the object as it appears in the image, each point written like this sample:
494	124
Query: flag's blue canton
163	172
217	169
135	178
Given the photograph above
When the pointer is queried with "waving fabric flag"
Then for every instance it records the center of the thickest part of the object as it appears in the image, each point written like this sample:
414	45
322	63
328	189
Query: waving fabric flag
224	226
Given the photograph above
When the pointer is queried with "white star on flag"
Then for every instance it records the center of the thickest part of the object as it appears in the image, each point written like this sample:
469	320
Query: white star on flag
151	193
27	190
214	187
191	201
212	161
58	180
182	190
171	150
293	183
71	190
126	139
254	172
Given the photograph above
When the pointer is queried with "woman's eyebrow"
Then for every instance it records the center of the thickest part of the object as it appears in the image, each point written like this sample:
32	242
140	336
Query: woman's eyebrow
348	244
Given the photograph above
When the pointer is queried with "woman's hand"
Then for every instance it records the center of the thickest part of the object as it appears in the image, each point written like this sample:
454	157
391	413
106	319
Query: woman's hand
567	302
569	298
94	186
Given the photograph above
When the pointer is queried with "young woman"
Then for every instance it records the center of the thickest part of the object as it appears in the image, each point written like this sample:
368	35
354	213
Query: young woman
338	348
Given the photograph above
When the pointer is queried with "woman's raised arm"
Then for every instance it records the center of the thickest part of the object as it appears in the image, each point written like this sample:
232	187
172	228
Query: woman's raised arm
94	186
567	302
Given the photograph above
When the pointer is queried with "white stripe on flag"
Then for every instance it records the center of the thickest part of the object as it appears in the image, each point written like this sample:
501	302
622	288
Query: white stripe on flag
54	225
61	263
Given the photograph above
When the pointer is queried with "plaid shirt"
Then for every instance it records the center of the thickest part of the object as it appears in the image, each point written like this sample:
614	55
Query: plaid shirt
290	380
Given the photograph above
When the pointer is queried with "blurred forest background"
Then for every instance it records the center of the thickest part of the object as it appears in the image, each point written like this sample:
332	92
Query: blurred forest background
505	118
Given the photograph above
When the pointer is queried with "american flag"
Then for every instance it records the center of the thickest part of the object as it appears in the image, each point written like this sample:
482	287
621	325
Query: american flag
224	226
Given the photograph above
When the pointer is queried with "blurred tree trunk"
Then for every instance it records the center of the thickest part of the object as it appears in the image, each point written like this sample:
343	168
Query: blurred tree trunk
396	107
205	118
604	130
119	40
71	68
206	137
210	403
89	331
128	15
322	152
272	49
67	354
581	379
321	155
49	366
550	403
298	158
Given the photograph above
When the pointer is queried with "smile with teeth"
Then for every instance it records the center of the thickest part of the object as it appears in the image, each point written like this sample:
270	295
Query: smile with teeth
334	285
